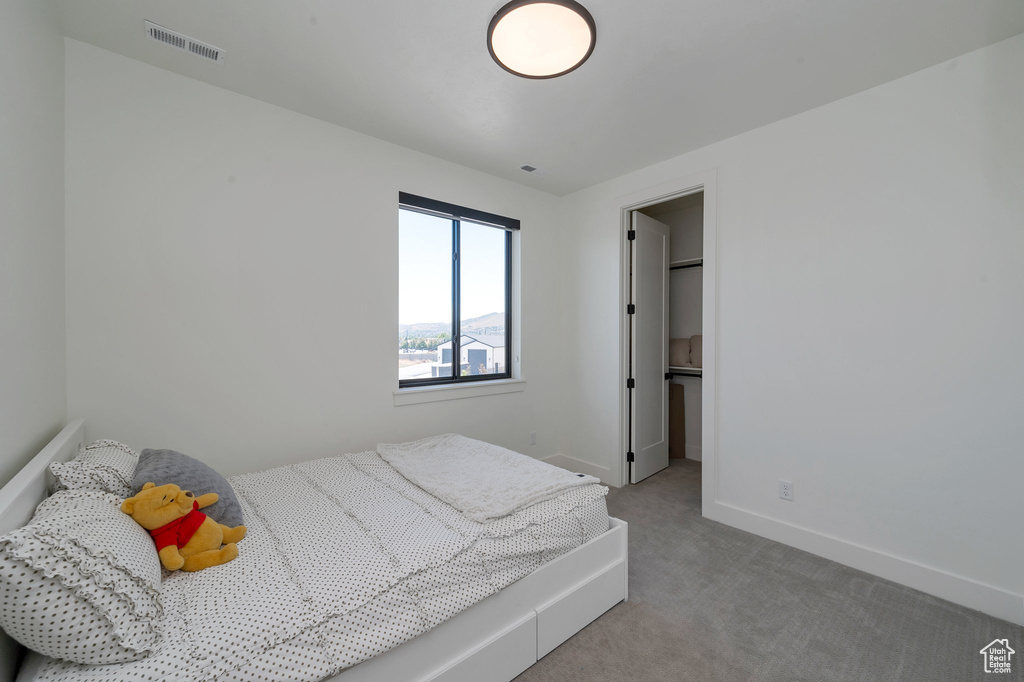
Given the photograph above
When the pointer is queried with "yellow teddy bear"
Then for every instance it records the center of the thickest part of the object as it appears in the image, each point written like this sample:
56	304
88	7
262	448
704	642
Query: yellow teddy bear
185	537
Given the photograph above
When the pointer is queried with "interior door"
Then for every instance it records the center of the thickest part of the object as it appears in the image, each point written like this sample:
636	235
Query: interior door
650	347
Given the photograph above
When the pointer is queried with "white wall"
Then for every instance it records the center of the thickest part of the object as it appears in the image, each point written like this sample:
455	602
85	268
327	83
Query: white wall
870	316
228	259
31	231
687	242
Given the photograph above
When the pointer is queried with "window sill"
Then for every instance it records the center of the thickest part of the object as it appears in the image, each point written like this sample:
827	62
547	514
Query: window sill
430	394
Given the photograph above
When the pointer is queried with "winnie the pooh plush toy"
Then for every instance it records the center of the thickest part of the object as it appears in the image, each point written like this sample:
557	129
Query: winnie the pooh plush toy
185	537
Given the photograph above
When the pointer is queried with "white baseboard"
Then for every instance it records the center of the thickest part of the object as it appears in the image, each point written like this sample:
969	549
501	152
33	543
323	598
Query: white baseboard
958	589
693	452
580	467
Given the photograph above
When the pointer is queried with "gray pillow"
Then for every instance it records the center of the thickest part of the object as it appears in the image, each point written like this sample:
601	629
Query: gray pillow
167	466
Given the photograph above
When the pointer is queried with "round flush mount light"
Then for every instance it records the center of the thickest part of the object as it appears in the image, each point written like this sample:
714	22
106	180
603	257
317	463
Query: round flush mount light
541	38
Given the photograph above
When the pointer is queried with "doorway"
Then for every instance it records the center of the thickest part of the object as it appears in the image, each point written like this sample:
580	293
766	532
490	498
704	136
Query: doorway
669	296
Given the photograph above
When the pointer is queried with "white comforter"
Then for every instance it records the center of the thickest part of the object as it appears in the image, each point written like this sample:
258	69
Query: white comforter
483	481
345	559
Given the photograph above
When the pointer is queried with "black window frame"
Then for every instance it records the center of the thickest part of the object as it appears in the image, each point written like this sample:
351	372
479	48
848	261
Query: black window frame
457	214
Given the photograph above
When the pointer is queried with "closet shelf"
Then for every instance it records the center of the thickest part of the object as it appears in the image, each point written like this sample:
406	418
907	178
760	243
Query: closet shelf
685	371
684	264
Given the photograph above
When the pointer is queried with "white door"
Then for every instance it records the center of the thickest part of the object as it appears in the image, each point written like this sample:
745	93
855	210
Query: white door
650	347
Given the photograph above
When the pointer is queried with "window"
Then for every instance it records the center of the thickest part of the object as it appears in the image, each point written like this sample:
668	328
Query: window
454	293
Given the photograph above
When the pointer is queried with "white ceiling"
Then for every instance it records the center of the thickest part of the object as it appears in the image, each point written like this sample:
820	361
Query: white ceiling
667	76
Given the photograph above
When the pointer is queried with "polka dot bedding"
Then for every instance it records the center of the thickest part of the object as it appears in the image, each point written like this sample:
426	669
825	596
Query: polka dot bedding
81	581
344	560
105	465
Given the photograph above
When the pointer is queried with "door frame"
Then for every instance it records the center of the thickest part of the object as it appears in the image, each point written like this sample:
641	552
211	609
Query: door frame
706	181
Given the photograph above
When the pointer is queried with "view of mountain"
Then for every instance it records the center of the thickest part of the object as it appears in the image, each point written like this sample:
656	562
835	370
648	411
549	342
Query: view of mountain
491	323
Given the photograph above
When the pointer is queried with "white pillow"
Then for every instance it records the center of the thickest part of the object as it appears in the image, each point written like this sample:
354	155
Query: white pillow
81	581
106	466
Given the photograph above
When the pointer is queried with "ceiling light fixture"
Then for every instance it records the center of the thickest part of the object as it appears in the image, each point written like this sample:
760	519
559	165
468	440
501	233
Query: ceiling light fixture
541	38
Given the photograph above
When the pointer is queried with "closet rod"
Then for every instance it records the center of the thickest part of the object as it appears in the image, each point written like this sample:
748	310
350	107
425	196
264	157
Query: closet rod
682	266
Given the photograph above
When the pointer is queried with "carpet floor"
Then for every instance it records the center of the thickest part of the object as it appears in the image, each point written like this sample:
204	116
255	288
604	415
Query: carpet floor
710	603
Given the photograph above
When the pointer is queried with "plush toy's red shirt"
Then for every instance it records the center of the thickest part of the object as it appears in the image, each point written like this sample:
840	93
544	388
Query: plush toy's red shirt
179	531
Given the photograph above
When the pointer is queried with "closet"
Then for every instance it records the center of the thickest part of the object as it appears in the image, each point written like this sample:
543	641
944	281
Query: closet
666	338
685	218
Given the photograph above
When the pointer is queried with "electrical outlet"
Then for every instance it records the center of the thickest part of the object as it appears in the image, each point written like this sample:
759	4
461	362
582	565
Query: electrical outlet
786	490
533	437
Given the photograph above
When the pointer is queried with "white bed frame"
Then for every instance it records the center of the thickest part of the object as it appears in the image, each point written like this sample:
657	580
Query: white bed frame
492	641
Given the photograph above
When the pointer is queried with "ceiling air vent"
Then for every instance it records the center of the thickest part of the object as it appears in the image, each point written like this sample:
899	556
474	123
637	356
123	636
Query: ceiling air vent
183	42
533	170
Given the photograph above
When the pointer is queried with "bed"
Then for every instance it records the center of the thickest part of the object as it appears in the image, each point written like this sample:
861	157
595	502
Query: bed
492	596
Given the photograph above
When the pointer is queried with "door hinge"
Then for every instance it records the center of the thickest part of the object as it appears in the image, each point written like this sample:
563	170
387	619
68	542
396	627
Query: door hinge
631	235
630	457
631	309
630	383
